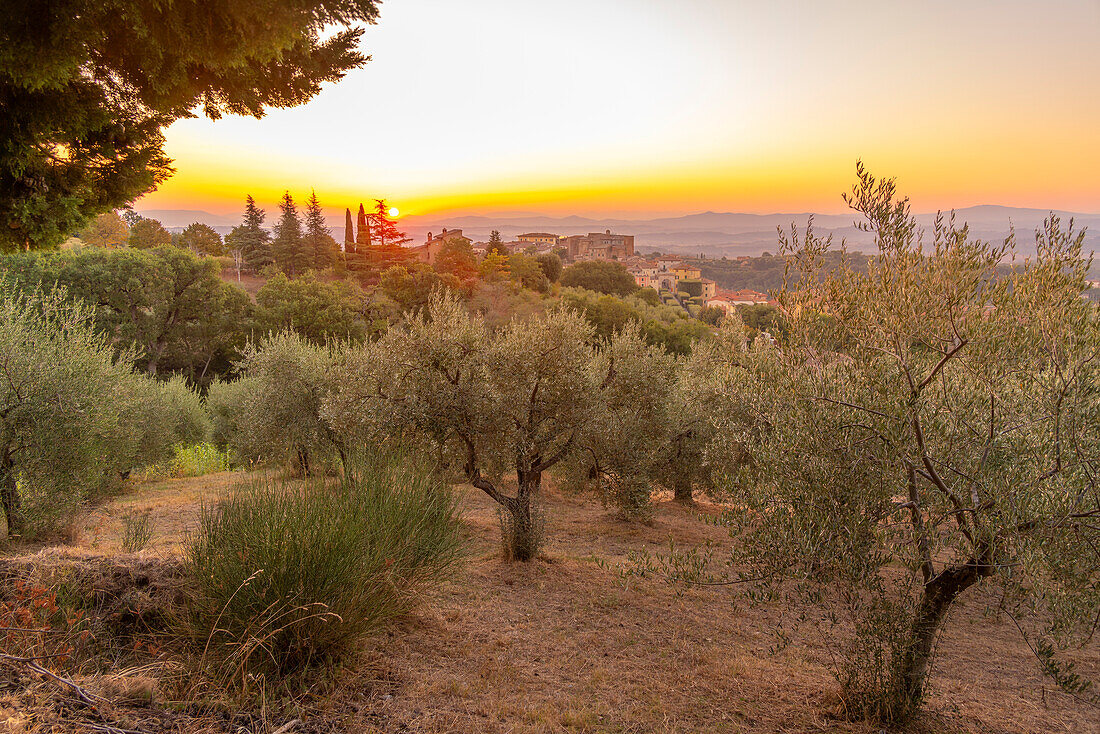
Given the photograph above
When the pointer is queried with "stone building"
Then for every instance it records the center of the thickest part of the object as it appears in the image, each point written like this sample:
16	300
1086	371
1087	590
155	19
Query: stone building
429	251
541	240
598	246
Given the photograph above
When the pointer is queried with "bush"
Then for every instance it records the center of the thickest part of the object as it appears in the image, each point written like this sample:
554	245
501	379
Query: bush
288	576
137	530
189	461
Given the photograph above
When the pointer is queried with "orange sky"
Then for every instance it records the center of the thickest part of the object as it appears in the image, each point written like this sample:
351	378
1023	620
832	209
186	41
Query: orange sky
658	107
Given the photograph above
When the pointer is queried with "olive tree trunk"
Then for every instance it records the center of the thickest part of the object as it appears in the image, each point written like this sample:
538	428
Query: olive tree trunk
9	495
681	488
911	671
523	537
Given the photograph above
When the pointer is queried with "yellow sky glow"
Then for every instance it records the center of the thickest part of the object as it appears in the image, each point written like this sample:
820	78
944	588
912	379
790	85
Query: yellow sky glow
623	107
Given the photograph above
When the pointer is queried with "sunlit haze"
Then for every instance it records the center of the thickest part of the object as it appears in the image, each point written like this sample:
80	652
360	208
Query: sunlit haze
665	107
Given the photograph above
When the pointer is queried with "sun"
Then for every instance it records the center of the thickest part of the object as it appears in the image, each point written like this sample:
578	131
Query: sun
394	211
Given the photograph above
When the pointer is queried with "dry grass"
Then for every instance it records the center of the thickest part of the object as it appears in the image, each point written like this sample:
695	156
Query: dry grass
560	645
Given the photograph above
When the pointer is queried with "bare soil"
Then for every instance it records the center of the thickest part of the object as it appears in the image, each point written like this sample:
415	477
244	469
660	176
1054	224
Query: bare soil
563	644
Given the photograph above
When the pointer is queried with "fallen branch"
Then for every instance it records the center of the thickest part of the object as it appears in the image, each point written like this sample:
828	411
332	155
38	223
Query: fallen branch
287	726
86	697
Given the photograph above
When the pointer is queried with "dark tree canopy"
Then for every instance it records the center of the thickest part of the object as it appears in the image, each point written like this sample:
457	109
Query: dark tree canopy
166	303
600	276
203	239
383	227
551	266
87	87
319	243
250	239
146	234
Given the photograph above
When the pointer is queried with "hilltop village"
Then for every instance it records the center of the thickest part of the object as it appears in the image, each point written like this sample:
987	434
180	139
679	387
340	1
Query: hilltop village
677	279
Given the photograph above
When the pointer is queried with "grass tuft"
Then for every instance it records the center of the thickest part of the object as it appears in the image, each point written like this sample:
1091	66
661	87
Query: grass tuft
137	530
289	575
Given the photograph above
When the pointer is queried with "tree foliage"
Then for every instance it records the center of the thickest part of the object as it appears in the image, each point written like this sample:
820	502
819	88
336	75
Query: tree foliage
412	286
667	326
288	247
280	412
383	227
317	310
106	230
167	303
496	245
74	416
146	234
202	239
318	241
457	258
527	271
88	86
515	399
551	266
250	239
600	276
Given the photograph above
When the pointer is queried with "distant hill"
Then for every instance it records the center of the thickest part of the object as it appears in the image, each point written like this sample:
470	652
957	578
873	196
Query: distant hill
183	217
718	234
714	234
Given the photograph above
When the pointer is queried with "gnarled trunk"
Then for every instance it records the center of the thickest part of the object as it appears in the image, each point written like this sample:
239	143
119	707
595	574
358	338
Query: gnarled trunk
301	458
682	479
911	671
524	536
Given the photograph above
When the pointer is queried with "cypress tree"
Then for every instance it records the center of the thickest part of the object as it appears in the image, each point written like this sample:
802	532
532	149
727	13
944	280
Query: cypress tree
319	242
289	247
349	233
362	236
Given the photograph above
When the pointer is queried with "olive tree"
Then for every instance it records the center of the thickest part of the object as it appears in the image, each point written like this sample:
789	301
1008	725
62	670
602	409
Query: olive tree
657	419
61	408
160	415
286	380
928	426
696	397
621	446
517	399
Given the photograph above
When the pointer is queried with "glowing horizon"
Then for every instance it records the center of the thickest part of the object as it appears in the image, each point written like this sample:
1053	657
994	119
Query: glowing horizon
613	108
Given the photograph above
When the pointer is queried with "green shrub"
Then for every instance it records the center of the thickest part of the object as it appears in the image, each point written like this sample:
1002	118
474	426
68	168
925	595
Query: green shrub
291	575
166	415
200	460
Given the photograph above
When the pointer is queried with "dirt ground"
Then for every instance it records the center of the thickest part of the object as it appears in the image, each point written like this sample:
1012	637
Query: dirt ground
562	644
